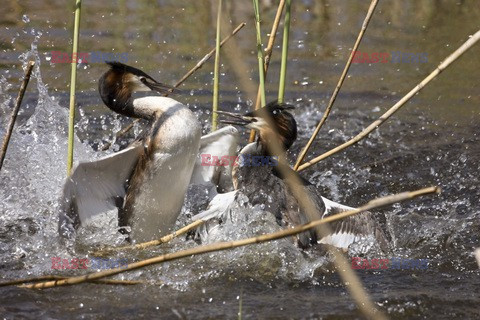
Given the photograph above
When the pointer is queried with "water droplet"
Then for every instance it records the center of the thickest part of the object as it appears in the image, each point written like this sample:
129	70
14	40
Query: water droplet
25	18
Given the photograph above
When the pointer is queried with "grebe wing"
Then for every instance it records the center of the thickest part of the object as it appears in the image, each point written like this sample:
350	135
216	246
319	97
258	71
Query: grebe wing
351	229
218	207
215	145
95	187
218	211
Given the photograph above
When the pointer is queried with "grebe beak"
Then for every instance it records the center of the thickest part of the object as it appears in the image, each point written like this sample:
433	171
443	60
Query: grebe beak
238	120
157	86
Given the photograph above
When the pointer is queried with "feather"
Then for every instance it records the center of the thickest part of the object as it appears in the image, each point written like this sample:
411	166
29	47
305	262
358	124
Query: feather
95	187
350	230
218	144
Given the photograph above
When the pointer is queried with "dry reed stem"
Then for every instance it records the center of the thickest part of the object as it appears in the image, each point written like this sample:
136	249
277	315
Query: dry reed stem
52	277
306	204
13	117
234	58
302	155
268	55
199	64
144	245
376	203
446	63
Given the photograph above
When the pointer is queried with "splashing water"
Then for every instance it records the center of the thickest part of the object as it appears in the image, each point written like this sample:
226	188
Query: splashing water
32	177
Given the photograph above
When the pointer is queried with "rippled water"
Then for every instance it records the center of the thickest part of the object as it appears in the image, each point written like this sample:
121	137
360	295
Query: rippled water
434	140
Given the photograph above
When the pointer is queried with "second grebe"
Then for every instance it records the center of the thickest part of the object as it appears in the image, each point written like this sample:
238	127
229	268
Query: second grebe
265	185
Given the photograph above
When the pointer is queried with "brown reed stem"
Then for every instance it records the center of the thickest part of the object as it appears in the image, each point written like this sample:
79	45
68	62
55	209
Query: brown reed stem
268	55
179	82
13	117
144	245
52	277
445	64
302	155
220	246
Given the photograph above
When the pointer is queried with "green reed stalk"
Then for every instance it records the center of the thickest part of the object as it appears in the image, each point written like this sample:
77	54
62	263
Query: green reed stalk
73	81
216	72
261	70
283	68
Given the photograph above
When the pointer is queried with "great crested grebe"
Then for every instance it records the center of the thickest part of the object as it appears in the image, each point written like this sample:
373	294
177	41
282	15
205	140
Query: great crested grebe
146	181
265	185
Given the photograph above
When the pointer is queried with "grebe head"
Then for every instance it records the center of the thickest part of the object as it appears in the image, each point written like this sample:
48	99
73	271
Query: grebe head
120	81
271	122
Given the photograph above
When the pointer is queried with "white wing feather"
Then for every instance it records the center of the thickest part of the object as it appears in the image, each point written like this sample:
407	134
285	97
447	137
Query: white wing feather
336	207
94	186
220	143
337	239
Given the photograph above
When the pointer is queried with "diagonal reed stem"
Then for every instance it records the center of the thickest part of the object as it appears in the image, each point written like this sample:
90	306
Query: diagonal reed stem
216	72
199	65
445	64
45	278
148	244
13	117
283	67
73	82
220	246
302	155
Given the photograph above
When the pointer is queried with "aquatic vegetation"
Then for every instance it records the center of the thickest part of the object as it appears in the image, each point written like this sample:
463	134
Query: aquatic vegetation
417	148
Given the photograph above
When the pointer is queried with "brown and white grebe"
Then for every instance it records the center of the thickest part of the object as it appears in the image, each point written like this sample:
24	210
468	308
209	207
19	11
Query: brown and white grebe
148	180
265	185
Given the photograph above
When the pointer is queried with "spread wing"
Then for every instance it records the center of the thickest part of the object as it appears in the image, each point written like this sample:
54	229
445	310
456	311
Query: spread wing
218	211
95	187
215	145
350	230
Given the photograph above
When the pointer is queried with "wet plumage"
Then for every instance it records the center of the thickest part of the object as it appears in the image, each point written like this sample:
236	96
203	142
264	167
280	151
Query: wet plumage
147	181
265	185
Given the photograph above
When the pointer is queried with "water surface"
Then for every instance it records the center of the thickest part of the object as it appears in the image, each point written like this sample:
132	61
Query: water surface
433	140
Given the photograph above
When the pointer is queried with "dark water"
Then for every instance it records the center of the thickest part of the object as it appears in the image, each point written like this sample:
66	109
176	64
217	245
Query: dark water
433	140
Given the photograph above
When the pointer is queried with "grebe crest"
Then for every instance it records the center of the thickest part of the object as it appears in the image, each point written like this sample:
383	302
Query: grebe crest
148	180
117	85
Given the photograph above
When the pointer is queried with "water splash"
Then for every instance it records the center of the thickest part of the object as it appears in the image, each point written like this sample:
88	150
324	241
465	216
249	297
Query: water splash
32	177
